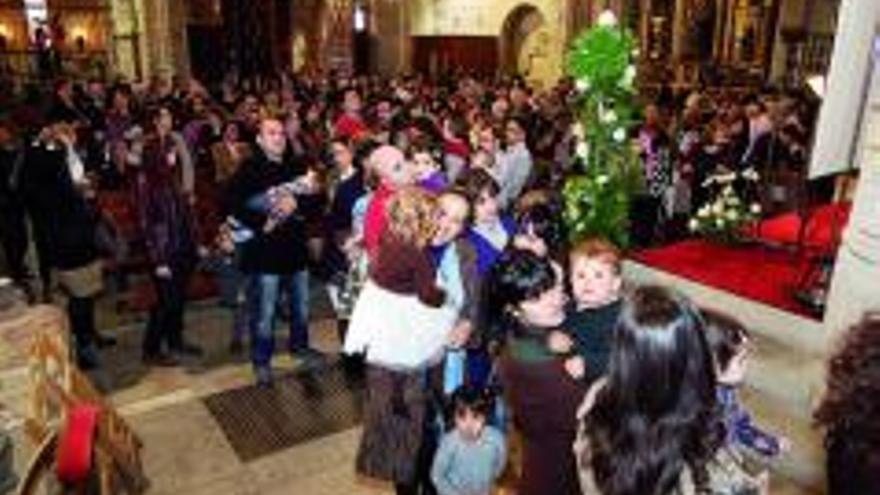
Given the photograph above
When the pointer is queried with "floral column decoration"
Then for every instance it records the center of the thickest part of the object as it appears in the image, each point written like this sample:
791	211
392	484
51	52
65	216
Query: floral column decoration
597	198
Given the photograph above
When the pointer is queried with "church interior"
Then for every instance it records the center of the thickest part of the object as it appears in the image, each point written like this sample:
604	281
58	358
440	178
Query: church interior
188	187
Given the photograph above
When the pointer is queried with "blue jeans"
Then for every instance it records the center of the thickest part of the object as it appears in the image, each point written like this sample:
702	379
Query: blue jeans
263	291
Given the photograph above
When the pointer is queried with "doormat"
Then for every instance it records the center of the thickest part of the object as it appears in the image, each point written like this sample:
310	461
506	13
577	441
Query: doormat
300	407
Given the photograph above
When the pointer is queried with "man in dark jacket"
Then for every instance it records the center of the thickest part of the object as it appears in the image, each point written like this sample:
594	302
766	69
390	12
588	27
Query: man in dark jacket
13	229
273	259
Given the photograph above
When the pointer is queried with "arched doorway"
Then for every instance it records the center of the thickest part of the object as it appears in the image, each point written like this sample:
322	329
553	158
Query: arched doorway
521	23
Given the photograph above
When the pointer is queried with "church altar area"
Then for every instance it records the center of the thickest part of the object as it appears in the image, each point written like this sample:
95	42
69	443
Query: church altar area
768	268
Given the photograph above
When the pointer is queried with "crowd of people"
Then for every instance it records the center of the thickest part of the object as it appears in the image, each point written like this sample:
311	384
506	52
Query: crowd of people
430	212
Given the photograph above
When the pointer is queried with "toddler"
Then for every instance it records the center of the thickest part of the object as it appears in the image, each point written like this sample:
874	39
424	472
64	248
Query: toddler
729	343
596	283
471	456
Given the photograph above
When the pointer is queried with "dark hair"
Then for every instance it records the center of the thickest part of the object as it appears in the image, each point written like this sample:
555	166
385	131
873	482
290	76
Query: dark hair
469	398
848	411
725	336
458	125
519	121
657	412
545	221
517	276
473	182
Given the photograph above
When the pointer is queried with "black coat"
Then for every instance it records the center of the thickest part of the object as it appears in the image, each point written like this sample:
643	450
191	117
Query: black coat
283	250
57	206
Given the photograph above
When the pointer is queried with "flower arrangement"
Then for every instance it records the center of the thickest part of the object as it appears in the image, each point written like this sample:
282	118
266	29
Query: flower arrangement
597	199
728	211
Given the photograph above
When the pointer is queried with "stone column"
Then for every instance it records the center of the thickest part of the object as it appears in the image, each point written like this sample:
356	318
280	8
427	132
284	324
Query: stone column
678	30
166	37
390	27
856	284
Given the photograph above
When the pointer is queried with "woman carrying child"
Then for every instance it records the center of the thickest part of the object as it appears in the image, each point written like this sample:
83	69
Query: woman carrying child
401	324
542	388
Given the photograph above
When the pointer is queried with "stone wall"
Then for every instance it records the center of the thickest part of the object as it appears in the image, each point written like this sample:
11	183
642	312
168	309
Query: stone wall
545	45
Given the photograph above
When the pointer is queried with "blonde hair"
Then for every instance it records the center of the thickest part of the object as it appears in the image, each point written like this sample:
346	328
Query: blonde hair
411	215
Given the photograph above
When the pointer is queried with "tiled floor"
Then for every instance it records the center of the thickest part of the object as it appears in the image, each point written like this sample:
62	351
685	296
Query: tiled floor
186	451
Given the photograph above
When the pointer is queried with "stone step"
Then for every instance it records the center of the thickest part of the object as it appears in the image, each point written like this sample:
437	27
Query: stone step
804	463
793	380
793	331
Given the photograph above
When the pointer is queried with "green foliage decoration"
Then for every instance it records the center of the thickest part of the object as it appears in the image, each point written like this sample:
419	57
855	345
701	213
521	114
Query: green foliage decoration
597	198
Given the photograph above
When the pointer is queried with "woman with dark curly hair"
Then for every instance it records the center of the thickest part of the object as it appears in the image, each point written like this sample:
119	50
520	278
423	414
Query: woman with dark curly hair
850	412
651	426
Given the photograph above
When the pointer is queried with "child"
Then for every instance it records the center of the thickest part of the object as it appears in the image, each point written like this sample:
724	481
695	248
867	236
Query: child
470	457
594	267
425	170
490	232
728	341
266	201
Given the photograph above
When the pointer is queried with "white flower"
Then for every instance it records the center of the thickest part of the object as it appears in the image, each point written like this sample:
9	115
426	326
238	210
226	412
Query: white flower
694	225
733	201
719	222
582	150
619	134
709	181
577	130
728	190
750	174
582	85
718	208
732	215
608	117
704	211
607	19
725	178
629	75
755	209
602	179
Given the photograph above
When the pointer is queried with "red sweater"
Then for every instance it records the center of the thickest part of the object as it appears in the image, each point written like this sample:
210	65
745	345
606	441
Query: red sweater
349	126
376	218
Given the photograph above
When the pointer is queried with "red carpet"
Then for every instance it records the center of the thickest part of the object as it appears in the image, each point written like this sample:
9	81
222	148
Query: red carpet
823	225
764	274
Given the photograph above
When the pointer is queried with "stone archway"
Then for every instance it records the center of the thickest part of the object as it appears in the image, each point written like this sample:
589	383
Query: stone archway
520	24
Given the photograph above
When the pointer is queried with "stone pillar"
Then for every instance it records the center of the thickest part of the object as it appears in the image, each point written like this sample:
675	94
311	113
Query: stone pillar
390	27
166	37
678	30
338	49
856	284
